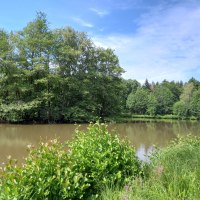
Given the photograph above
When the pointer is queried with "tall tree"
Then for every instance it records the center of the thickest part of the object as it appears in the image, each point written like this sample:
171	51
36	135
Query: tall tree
137	102
147	85
152	104
186	95
195	104
34	52
165	100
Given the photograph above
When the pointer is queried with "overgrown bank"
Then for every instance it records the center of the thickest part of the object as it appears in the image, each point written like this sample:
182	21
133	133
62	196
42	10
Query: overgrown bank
173	173
99	165
143	118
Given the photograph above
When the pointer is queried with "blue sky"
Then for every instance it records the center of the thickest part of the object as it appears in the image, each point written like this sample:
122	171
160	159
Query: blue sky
154	39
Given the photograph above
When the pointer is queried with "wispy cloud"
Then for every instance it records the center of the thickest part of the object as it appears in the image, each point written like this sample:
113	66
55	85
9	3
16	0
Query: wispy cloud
82	22
166	44
100	13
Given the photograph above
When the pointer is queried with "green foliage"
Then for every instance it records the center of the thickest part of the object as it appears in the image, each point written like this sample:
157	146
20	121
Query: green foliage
186	95
195	83
173	173
195	104
131	86
175	87
177	168
152	105
61	76
43	176
137	102
103	158
164	99
181	109
154	99
78	170
62	69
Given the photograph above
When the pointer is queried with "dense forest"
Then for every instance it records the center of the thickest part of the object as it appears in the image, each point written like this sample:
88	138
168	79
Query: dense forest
60	75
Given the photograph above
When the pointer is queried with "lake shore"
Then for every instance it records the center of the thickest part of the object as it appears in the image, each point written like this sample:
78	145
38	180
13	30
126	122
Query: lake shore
148	118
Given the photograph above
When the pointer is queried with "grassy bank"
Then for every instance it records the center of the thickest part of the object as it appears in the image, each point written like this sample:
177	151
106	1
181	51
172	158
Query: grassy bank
173	173
133	118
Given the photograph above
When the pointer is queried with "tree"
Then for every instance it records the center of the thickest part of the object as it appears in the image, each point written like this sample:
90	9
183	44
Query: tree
69	52
34	54
165	100
9	73
175	87
147	85
105	82
195	104
137	102
195	83
152	105
186	95
181	109
131	85
91	81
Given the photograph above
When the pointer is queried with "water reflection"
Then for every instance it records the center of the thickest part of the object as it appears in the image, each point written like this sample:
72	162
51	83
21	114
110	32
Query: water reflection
143	153
143	135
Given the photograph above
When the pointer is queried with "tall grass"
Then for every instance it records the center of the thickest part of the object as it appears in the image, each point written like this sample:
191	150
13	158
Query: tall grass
174	173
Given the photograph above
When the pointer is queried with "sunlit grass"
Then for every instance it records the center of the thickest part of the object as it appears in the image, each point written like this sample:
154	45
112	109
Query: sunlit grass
174	173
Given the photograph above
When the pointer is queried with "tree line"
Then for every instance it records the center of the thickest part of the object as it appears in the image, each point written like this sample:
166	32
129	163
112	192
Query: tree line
56	75
165	98
60	75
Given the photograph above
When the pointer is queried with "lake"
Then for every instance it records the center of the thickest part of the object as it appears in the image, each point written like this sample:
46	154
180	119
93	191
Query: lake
143	135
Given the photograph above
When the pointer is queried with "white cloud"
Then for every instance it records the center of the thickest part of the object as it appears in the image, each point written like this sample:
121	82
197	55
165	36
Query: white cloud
165	46
82	22
100	13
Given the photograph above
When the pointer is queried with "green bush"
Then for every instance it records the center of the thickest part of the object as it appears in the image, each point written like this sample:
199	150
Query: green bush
77	170
102	158
43	176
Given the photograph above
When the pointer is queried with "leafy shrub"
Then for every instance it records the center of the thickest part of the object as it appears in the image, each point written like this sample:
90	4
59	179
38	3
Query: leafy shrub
77	170
41	177
102	158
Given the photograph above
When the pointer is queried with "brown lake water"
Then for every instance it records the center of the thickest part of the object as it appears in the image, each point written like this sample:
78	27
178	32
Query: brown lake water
143	135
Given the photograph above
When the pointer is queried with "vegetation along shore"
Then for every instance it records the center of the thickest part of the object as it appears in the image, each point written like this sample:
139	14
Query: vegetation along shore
100	165
60	75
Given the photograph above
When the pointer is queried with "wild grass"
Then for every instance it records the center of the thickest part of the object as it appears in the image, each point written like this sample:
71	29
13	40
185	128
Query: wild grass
173	174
